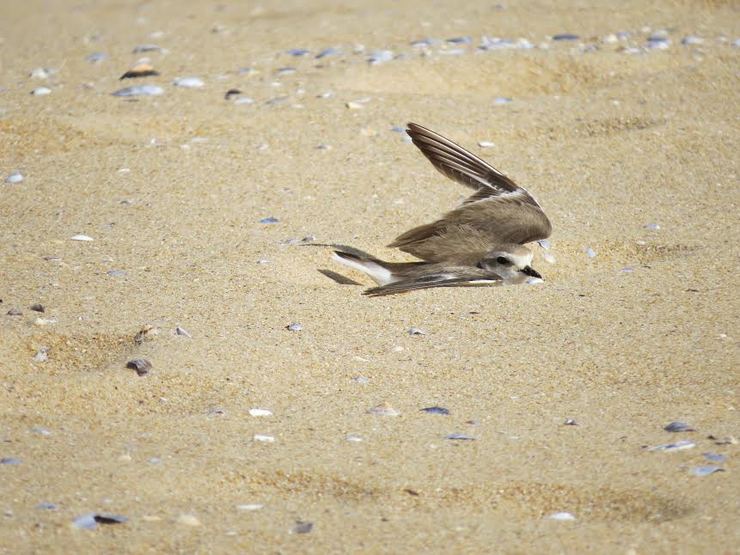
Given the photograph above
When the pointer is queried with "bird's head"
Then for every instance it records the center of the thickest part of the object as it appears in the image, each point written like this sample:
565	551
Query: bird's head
511	262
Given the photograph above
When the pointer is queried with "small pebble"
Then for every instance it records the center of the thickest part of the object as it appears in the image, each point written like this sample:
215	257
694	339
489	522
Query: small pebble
459	437
146	333
678	427
41	91
301	527
188	82
260	412
436	410
37	307
562	516
262	438
570	422
591	253
383	410
416	331
269	220
250	507
706	470
139	90
295	326
14	177
141	365
14	312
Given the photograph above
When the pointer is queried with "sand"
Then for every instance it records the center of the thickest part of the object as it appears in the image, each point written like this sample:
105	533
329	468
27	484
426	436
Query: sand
172	188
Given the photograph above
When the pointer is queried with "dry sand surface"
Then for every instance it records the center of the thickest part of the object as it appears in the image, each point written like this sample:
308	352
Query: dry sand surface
172	189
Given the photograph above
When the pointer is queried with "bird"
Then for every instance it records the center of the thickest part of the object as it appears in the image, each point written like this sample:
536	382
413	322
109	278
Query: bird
481	242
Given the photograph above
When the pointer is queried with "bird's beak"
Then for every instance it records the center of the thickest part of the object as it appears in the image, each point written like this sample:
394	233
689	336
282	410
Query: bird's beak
528	270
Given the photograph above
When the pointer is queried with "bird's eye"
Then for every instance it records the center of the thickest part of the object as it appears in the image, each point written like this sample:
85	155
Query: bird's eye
503	260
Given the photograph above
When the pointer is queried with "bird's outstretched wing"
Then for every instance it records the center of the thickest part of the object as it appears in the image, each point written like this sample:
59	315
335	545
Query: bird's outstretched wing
452	277
500	211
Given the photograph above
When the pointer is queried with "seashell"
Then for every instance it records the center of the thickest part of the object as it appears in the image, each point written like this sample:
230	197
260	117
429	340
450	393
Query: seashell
244	100
678	427
331	51
459	437
423	43
298	52
706	470
231	92
10	461
262	438
188	520
691	40
285	71
14	312
561	516
96	57
90	521
301	527
44	321
14	177
383	409
591	253
188	82
139	90
677	446
544	243
41	91
183	332
142	69
146	333
269	220
380	56
42	73
459	40
436	410
714	457
565	37
141	365
416	331
354	438
250	507
260	412
146	48
81	237
500	100
42	355
116	273
570	422
652	227
486	144
295	326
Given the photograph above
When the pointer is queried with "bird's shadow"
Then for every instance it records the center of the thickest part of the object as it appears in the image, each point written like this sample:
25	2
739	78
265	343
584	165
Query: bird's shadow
338	278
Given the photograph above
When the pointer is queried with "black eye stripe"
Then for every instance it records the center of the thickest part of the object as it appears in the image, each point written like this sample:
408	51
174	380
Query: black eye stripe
503	260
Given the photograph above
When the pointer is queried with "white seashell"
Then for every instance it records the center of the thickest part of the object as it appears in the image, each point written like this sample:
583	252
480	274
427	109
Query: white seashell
416	331
486	144
42	73
14	177
260	412
250	507
263	438
562	516
140	90
188	82
188	520
591	253
354	438
41	91
81	237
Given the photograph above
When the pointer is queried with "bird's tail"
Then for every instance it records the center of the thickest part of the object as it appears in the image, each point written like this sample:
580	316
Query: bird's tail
369	265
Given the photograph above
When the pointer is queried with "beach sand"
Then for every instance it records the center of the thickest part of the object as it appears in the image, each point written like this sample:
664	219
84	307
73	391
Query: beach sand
633	155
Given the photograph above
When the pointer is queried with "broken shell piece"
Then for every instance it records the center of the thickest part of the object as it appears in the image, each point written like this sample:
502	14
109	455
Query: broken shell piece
183	332
301	527
81	237
459	437
562	516
37	307
41	91
263	438
678	446
141	365
706	470
260	412
14	177
42	355
14	312
232	92
146	333
436	410
416	331
90	521
250	507
295	326
383	410
188	82
486	144
139	90
141	69
188	520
